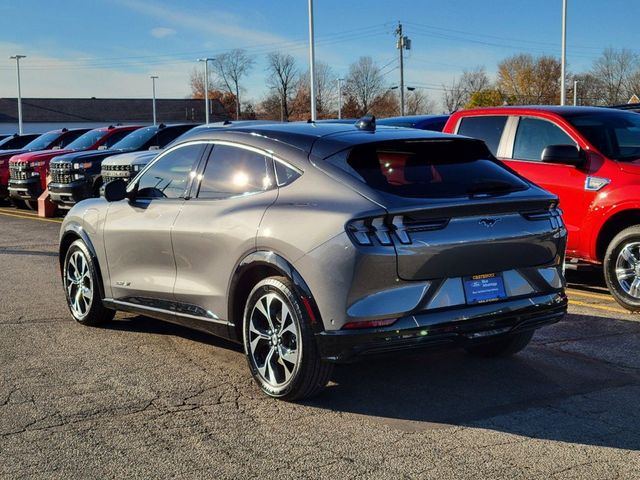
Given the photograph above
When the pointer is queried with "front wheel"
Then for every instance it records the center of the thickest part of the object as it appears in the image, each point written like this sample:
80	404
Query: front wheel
622	268
80	280
279	343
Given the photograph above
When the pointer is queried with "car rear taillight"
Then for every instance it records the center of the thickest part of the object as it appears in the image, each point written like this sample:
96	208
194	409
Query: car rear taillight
390	230
369	324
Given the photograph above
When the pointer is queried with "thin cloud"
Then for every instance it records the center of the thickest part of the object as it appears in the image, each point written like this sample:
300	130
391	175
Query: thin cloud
162	32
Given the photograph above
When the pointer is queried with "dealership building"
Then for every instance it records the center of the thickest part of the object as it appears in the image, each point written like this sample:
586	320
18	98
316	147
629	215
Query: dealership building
43	114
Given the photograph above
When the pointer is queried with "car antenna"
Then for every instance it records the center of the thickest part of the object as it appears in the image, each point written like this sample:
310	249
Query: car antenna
367	123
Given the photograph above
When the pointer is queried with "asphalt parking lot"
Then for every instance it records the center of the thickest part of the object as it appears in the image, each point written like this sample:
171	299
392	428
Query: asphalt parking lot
143	399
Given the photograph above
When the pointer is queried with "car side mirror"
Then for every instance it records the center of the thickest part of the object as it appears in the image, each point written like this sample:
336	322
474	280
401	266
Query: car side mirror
115	190
564	154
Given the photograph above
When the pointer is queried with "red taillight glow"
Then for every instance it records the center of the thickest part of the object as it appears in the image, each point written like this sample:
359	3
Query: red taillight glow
369	324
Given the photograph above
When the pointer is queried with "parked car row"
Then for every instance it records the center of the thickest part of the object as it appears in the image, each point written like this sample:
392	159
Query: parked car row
69	162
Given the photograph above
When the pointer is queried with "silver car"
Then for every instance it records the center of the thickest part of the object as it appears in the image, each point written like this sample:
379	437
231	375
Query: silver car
312	244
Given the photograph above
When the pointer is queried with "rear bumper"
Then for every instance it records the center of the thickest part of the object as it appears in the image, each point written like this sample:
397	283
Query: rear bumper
29	189
445	328
68	194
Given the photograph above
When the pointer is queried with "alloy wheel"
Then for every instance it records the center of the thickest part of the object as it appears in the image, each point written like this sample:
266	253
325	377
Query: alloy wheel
274	340
79	284
627	269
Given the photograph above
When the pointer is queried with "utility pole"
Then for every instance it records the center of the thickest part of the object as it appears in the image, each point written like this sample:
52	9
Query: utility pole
575	93
340	98
153	88
17	59
312	64
563	74
206	87
402	44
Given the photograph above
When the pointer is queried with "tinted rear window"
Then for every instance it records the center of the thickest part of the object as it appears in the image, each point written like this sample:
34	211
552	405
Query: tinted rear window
429	169
486	128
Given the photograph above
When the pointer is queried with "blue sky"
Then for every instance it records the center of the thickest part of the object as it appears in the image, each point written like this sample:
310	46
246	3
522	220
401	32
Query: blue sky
109	48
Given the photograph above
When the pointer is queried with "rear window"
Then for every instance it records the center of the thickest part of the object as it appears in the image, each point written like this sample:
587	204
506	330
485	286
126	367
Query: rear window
486	128
429	169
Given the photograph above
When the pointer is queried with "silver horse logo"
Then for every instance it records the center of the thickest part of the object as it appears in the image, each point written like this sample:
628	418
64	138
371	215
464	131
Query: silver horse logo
488	222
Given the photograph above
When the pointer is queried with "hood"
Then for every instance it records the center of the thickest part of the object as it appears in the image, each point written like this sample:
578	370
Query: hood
132	158
87	156
7	154
38	155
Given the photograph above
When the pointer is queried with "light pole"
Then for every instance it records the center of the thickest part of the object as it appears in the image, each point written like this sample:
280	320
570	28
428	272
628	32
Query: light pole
206	87
17	59
153	88
340	98
563	66
312	64
575	93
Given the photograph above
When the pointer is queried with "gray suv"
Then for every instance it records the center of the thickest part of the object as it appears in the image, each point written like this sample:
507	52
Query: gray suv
312	244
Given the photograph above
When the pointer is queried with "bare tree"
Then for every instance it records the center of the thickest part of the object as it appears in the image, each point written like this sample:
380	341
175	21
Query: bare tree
614	69
365	84
326	93
283	77
229	69
458	94
526	80
418	103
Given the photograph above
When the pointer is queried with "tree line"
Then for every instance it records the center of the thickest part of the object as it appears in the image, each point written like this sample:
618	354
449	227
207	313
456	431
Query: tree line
521	79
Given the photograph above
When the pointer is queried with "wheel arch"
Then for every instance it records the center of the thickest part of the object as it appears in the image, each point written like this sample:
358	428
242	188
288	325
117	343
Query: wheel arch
255	267
71	233
612	226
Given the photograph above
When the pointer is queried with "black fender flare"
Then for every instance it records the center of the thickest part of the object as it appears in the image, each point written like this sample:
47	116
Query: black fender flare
76	230
285	268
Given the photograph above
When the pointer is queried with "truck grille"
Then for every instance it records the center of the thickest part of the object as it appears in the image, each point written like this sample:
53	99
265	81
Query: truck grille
61	173
20	171
113	172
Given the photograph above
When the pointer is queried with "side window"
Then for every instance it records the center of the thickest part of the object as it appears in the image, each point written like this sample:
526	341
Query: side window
233	171
285	174
169	176
115	138
169	134
486	128
68	138
534	135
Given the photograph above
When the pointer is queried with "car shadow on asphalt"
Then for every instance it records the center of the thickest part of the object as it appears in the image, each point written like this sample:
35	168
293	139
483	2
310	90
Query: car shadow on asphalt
563	387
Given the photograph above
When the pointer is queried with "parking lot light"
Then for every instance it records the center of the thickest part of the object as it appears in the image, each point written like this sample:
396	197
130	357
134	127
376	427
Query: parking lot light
153	88
17	59
206	87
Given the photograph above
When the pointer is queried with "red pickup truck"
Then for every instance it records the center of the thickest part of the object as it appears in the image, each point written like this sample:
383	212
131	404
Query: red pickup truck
590	158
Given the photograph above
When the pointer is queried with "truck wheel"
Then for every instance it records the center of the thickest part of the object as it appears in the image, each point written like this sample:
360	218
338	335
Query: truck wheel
80	280
503	347
17	203
279	343
622	268
31	204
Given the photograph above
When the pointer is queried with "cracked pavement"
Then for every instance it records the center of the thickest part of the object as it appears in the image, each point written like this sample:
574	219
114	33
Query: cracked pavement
143	399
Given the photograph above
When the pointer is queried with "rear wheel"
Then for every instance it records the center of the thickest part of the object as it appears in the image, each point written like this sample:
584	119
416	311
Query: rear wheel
622	268
279	343
502	347
81	287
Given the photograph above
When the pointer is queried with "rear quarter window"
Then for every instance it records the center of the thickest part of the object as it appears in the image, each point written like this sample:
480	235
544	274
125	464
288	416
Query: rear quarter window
487	128
429	169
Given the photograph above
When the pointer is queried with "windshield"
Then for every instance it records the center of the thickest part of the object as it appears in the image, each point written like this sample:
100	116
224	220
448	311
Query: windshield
616	134
43	141
86	140
429	169
136	139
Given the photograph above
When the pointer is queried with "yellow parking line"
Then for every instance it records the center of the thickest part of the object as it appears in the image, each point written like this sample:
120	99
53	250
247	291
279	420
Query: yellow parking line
600	296
598	307
19	212
31	217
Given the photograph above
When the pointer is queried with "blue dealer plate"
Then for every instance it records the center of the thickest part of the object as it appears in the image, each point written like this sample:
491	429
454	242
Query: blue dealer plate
484	288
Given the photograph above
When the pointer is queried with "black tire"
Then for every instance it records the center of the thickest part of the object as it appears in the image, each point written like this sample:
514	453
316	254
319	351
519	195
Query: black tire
17	203
94	312
502	347
629	238
309	374
31	204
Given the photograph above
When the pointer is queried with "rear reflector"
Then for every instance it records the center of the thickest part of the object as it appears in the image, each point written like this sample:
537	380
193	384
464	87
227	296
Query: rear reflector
369	324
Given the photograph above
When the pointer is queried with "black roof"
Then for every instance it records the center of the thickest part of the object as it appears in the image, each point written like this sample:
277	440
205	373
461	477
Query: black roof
107	110
319	139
